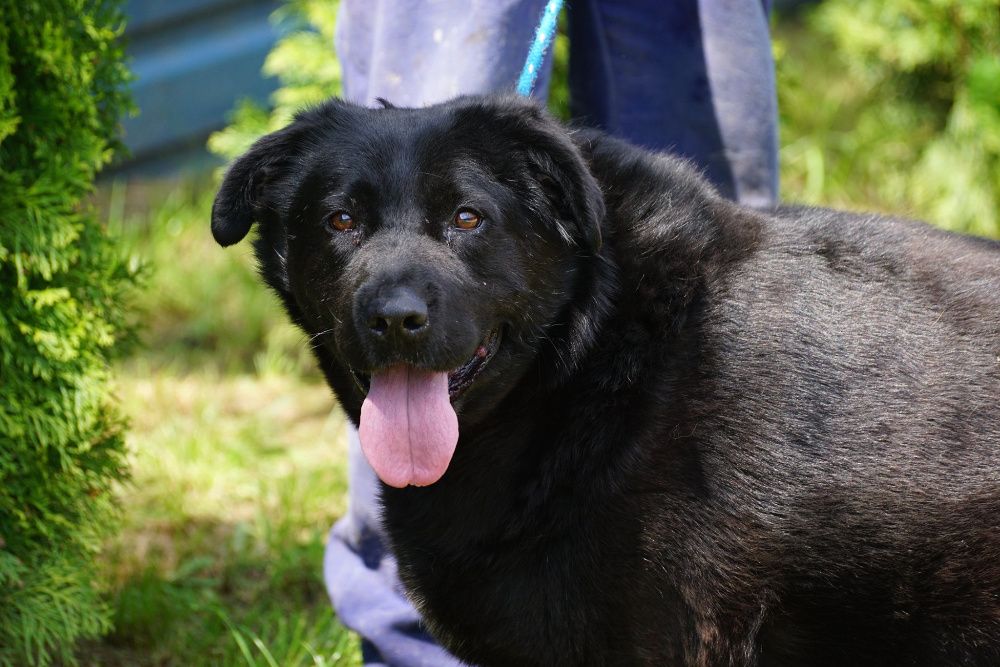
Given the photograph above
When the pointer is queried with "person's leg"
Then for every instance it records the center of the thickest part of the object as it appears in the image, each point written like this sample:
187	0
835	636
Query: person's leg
411	53
694	77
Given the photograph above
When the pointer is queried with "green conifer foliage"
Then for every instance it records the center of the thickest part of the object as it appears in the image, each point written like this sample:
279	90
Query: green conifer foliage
62	283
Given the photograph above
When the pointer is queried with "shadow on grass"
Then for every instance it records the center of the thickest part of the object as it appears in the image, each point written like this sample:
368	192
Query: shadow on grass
234	601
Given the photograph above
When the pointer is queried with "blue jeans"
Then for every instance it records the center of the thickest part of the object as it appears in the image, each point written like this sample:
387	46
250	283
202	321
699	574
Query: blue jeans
694	77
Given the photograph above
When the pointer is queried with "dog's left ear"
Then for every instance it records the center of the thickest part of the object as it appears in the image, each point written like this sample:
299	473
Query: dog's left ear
569	186
563	175
238	203
558	169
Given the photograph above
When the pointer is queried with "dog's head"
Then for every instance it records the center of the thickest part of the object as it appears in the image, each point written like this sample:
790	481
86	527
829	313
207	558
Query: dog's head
434	255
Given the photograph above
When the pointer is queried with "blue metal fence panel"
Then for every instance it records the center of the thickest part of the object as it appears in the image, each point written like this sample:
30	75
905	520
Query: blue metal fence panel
192	61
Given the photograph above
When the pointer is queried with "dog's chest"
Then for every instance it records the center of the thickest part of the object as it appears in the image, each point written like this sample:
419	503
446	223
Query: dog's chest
544	596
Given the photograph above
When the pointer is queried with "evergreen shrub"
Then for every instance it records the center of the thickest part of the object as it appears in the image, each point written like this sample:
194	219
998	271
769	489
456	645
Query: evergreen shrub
63	281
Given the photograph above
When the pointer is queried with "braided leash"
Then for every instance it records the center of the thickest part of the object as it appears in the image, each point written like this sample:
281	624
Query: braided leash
543	38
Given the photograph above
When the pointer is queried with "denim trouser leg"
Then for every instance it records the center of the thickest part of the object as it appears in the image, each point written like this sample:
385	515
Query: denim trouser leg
691	76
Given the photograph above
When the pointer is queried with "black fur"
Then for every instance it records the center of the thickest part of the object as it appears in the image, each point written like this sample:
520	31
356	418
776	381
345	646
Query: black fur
710	436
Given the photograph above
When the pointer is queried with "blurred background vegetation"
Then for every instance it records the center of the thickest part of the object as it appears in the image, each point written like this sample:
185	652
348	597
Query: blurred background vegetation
235	445
894	105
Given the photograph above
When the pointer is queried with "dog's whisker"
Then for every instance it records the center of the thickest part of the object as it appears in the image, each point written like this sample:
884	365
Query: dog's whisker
321	333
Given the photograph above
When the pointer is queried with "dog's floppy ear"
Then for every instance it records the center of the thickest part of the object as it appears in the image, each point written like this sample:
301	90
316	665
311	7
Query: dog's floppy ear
563	175
237	204
560	174
570	188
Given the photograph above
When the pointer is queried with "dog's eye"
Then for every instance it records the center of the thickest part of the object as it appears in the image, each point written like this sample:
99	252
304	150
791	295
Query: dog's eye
466	218
341	221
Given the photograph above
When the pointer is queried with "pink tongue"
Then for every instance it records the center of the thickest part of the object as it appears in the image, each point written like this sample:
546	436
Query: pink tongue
408	428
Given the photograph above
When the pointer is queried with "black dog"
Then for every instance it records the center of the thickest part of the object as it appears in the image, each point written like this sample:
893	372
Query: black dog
688	433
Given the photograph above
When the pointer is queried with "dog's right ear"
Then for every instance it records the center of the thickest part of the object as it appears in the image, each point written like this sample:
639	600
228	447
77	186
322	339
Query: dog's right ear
238	203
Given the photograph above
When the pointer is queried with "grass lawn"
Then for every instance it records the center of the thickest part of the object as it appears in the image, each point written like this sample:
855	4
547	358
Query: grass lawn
237	461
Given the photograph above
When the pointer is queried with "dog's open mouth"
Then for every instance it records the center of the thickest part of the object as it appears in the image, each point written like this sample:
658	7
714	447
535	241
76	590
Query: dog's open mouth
462	377
408	426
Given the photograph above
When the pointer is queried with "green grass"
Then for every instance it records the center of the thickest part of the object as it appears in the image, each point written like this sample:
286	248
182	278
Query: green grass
237	460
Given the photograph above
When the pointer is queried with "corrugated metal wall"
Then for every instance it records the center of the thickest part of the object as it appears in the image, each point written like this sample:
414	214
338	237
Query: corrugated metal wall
192	59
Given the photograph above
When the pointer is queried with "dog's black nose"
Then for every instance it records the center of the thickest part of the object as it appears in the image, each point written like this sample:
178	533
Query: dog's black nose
399	312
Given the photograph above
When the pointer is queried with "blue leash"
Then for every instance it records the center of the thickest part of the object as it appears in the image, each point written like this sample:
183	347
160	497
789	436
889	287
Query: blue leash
543	37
